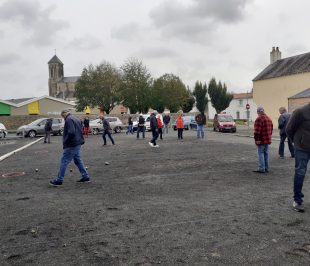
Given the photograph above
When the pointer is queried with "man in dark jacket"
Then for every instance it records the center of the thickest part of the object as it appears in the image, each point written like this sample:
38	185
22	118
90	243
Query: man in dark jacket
262	134
72	141
48	130
201	121
154	129
141	126
298	131
166	121
282	122
107	130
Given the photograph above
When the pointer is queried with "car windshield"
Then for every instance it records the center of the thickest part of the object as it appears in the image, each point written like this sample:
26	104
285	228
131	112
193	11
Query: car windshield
225	118
35	122
188	118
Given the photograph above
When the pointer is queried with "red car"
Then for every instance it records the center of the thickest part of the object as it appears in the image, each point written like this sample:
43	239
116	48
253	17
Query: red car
224	123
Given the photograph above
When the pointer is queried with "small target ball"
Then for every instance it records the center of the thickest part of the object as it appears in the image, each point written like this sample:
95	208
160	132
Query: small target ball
37	170
71	170
106	163
86	167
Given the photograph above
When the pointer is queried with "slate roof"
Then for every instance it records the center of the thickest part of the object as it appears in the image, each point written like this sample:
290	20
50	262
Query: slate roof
303	94
69	79
20	100
285	67
55	60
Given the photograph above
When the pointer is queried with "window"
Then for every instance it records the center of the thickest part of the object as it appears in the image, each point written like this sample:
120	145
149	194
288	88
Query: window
241	102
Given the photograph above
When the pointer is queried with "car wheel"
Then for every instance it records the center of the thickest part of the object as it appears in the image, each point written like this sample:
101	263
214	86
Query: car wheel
32	134
95	131
60	132
117	130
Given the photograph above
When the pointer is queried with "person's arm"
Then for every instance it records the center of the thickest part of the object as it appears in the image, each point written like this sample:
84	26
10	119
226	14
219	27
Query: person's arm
70	127
293	124
281	121
257	130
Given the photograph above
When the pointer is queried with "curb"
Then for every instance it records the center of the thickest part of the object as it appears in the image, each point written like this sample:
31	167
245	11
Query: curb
3	157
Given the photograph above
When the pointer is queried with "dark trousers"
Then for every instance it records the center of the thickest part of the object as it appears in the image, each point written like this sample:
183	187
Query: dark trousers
155	136
281	146
160	133
180	133
141	129
47	137
107	132
301	161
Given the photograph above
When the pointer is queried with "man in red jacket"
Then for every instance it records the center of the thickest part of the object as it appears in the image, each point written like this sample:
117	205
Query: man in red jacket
262	134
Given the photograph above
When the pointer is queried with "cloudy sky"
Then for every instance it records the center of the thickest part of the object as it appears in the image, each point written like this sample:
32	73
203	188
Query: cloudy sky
193	39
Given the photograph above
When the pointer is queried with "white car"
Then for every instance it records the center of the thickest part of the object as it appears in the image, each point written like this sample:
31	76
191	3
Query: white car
147	119
3	132
95	126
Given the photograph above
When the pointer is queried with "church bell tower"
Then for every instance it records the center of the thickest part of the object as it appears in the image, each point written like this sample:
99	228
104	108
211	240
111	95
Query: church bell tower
56	73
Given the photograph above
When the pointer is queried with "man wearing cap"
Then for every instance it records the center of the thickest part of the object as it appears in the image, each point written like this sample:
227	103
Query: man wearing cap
298	131
262	134
72	141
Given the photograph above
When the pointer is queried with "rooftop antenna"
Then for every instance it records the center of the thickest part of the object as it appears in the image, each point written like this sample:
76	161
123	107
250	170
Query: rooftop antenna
55	51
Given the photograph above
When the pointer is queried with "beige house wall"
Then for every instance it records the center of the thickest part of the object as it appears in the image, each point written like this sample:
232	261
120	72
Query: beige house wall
274	93
23	110
51	107
293	104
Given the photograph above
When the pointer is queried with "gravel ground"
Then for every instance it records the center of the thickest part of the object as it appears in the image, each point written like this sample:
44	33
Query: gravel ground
190	202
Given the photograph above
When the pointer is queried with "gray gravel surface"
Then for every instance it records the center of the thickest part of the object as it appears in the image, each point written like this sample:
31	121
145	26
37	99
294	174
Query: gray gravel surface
190	202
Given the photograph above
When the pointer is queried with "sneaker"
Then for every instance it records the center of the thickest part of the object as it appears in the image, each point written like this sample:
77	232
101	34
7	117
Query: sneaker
156	146
259	171
84	180
55	183
151	144
281	157
298	207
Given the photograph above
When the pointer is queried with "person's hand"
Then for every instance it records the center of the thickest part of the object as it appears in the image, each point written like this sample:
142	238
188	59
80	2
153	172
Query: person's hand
257	142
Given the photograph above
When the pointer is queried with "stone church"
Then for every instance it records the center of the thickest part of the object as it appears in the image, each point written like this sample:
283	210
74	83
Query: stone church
59	86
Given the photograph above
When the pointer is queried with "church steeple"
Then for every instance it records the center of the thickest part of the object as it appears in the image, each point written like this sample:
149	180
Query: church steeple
56	73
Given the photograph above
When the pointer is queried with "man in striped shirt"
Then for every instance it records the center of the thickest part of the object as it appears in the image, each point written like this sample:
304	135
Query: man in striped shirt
262	134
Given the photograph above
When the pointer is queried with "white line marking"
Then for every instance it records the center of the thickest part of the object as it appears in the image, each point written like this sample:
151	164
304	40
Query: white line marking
3	157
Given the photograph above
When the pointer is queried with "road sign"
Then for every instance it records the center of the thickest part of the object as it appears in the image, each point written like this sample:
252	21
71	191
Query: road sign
247	106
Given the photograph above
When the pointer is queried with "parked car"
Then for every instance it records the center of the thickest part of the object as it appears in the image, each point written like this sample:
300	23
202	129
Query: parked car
189	122
146	124
224	122
3	132
95	126
37	127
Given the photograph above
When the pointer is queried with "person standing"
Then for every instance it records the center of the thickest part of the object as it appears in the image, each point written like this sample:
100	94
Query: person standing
263	128
282	122
160	127
107	130
130	124
86	126
48	130
180	126
298	131
201	121
72	141
166	121
141	127
154	129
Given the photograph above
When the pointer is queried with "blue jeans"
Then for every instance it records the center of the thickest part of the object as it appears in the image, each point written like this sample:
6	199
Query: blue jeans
301	161
69	154
200	131
155	136
165	128
107	132
141	129
130	129
281	146
263	154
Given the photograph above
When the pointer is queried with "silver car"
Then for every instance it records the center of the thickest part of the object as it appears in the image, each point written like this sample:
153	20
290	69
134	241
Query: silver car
95	126
37	127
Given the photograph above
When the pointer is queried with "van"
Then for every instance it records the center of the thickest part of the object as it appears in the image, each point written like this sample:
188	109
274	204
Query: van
224	123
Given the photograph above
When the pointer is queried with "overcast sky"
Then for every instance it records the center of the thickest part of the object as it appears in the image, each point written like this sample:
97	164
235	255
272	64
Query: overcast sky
193	39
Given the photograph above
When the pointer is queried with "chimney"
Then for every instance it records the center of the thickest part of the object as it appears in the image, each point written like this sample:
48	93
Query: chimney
275	55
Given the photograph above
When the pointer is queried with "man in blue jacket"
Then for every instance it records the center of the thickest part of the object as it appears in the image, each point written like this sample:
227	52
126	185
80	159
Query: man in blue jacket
72	141
282	121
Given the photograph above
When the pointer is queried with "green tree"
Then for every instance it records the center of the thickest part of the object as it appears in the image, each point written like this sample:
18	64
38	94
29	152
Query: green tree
98	86
169	91
200	93
136	86
189	103
219	96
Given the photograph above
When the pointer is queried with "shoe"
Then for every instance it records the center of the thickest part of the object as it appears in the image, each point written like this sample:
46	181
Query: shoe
55	183
151	144
84	180
104	144
298	207
156	146
44	141
259	171
281	157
